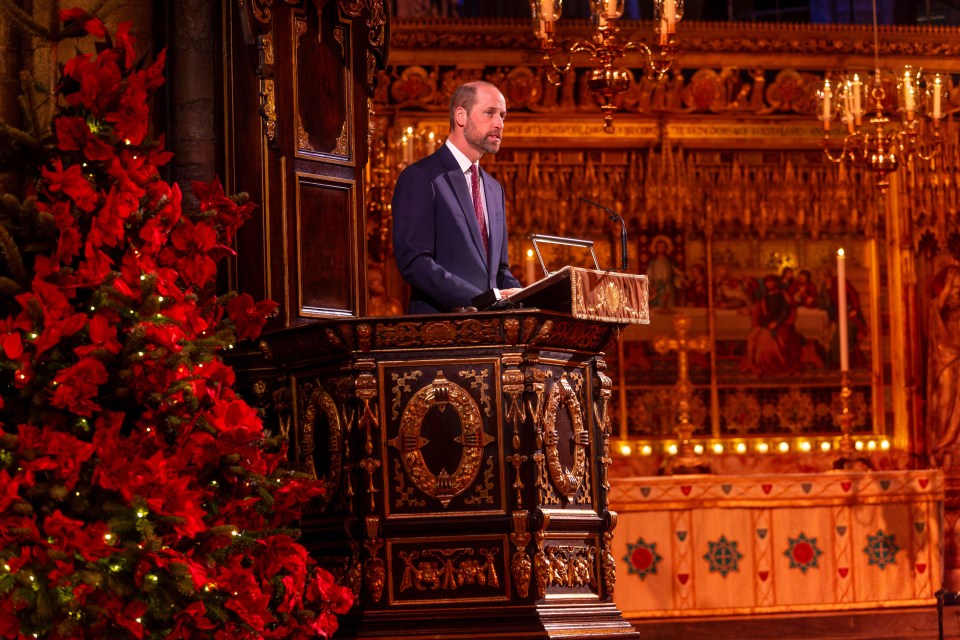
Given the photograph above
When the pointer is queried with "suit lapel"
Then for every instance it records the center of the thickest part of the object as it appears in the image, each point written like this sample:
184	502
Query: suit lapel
458	182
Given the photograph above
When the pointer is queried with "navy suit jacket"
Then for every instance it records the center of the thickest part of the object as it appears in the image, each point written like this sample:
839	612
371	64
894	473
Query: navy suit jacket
436	240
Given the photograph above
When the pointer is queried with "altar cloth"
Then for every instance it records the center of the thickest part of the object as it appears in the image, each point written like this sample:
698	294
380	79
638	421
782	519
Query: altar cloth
725	545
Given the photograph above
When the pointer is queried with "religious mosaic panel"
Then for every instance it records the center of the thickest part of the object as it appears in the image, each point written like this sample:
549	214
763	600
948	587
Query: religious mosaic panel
771	358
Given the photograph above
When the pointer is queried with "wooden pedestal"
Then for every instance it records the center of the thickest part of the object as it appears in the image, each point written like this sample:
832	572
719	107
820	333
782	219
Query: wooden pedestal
465	461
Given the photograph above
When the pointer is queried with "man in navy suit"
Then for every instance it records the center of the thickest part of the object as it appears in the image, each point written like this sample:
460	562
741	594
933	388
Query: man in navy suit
450	242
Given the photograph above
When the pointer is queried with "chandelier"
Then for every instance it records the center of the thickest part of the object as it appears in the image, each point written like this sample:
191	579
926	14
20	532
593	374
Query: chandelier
606	79
883	132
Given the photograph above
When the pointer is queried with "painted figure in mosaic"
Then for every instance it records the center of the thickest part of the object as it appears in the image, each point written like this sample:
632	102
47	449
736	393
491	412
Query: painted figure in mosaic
943	383
664	276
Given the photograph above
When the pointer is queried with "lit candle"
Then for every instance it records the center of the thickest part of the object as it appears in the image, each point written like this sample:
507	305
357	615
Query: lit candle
908	103
842	310
937	88
857	87
670	11
528	269
848	106
825	94
546	10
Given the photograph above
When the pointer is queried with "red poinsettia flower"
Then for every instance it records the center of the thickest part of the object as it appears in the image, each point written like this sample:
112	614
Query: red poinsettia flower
91	24
97	83
78	385
72	183
193	243
248	316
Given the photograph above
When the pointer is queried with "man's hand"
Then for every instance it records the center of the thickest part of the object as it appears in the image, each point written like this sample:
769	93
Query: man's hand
506	293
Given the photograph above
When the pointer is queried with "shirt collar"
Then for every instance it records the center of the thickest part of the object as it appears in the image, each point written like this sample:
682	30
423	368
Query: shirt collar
461	159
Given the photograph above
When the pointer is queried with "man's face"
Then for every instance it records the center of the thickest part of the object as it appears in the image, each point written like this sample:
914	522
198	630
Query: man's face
484	128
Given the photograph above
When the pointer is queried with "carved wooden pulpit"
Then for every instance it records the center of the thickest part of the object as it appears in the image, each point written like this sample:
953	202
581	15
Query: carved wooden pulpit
465	458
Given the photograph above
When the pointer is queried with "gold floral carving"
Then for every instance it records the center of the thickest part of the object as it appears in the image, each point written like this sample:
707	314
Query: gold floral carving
370	466
541	566
517	461
608	563
441	393
484	488
321	401
436	334
448	569
603	392
511	327
570	566
376	24
401	383
404	493
268	103
266	49
261	10
303	138
340	36
478	381
511	384
352	8
374	572
520	565
365	387
300	28
567	481
341	148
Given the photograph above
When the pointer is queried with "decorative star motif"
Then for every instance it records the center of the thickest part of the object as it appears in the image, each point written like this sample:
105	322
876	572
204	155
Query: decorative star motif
881	549
642	558
803	552
723	556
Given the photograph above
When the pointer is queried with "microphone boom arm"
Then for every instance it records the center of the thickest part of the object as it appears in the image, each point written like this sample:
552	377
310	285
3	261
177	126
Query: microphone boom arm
623	231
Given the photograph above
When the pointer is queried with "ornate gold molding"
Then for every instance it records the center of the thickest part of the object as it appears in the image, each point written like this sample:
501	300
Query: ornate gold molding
441	393
567	481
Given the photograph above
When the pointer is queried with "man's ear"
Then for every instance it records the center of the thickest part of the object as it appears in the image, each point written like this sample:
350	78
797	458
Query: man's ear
461	116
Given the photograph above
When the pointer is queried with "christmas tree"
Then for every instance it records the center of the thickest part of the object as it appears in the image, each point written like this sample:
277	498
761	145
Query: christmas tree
139	496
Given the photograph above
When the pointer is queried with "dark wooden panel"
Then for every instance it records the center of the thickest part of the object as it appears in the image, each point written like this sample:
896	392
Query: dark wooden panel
326	251
323	91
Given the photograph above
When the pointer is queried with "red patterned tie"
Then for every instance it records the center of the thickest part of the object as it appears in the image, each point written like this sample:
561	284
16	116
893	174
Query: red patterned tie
478	206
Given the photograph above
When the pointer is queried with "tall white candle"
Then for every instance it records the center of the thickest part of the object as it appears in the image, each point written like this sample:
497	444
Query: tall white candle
937	88
546	10
857	107
670	11
842	310
528	269
826	103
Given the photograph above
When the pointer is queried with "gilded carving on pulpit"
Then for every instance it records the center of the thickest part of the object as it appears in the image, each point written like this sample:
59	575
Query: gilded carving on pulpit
943	405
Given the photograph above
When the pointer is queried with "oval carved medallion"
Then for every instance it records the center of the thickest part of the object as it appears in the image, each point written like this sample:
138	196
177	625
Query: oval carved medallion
567	481
441	393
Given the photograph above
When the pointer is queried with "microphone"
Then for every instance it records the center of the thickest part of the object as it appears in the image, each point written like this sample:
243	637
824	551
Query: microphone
623	231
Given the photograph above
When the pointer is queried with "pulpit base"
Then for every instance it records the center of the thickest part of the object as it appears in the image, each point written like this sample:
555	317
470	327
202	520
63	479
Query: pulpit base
570	622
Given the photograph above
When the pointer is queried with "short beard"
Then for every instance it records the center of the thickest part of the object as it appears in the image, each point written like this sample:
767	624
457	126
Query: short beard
478	140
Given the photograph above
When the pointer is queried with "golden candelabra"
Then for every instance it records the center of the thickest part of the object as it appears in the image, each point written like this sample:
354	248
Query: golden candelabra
606	79
880	143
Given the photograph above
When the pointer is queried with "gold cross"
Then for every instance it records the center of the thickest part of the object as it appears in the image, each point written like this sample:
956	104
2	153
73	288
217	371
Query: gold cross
686	460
